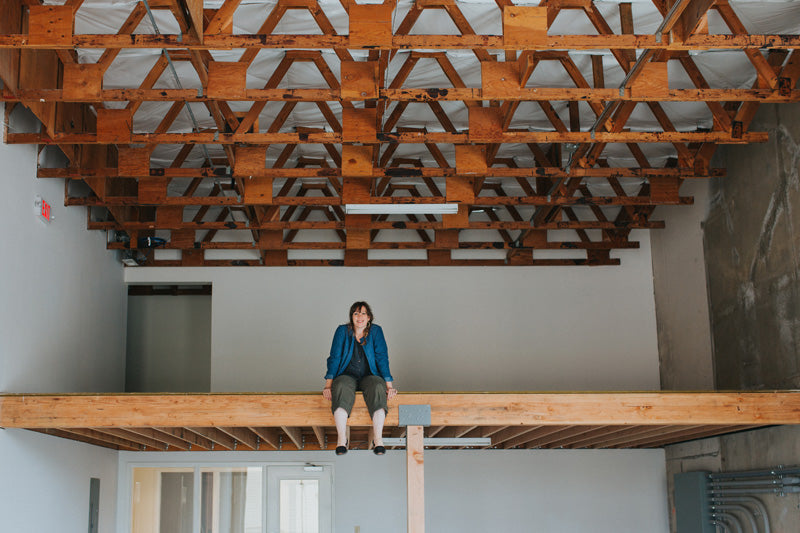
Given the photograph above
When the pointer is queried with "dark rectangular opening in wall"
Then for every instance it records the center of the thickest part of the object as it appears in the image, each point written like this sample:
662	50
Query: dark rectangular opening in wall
94	504
169	338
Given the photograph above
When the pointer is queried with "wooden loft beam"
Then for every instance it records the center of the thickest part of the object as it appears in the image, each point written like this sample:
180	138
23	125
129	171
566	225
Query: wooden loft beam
33	411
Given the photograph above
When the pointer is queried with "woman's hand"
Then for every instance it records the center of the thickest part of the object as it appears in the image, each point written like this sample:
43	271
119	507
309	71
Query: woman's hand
391	392
326	392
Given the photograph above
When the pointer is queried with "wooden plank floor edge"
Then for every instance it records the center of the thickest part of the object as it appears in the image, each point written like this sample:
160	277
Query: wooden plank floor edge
447	409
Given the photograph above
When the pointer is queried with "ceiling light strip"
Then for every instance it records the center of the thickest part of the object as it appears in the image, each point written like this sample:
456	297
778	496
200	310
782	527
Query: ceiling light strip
443	441
401	209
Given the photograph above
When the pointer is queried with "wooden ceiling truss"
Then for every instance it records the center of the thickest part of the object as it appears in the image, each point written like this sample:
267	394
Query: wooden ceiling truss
252	184
206	422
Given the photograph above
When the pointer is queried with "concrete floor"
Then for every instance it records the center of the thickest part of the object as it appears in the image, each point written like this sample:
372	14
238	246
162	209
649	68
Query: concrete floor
751	252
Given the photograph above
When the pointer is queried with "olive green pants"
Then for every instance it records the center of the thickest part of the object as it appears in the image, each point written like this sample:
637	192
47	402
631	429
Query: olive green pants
343	393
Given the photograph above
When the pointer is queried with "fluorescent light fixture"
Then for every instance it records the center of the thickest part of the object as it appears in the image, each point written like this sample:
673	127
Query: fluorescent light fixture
401	209
442	441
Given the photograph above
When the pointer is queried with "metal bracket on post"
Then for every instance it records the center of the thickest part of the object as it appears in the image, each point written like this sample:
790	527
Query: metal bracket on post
420	415
414	415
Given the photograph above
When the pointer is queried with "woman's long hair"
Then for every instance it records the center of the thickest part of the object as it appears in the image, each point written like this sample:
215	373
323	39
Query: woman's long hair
352	327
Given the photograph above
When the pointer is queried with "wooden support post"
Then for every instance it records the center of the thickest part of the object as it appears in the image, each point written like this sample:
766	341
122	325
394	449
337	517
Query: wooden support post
415	472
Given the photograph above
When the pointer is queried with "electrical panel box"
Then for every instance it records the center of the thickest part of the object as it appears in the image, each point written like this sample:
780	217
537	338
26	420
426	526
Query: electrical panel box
692	504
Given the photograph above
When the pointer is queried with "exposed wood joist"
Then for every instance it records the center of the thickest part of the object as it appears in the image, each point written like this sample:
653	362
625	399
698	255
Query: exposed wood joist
406	42
433	94
400	137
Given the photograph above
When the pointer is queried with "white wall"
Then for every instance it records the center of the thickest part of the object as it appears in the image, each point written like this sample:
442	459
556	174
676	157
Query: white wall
62	329
681	295
44	483
515	491
62	300
448	328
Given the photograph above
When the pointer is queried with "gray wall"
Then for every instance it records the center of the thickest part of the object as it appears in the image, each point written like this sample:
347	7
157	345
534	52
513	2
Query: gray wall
681	298
169	344
752	242
62	329
62	300
455	329
519	491
448	329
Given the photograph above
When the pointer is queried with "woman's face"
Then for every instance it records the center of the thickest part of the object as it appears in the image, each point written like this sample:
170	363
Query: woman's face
360	318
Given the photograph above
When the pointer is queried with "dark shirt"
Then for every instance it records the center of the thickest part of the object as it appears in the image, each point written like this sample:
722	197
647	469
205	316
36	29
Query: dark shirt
358	367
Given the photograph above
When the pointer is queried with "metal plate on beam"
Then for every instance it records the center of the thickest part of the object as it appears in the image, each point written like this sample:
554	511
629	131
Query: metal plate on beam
414	415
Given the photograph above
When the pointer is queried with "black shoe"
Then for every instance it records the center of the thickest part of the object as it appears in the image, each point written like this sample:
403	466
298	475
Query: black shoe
341	450
378	450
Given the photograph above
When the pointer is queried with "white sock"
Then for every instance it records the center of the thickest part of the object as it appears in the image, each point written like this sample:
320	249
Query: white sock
340	419
377	426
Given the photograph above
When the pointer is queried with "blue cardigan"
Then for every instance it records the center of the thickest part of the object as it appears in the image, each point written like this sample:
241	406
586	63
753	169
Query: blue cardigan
374	348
